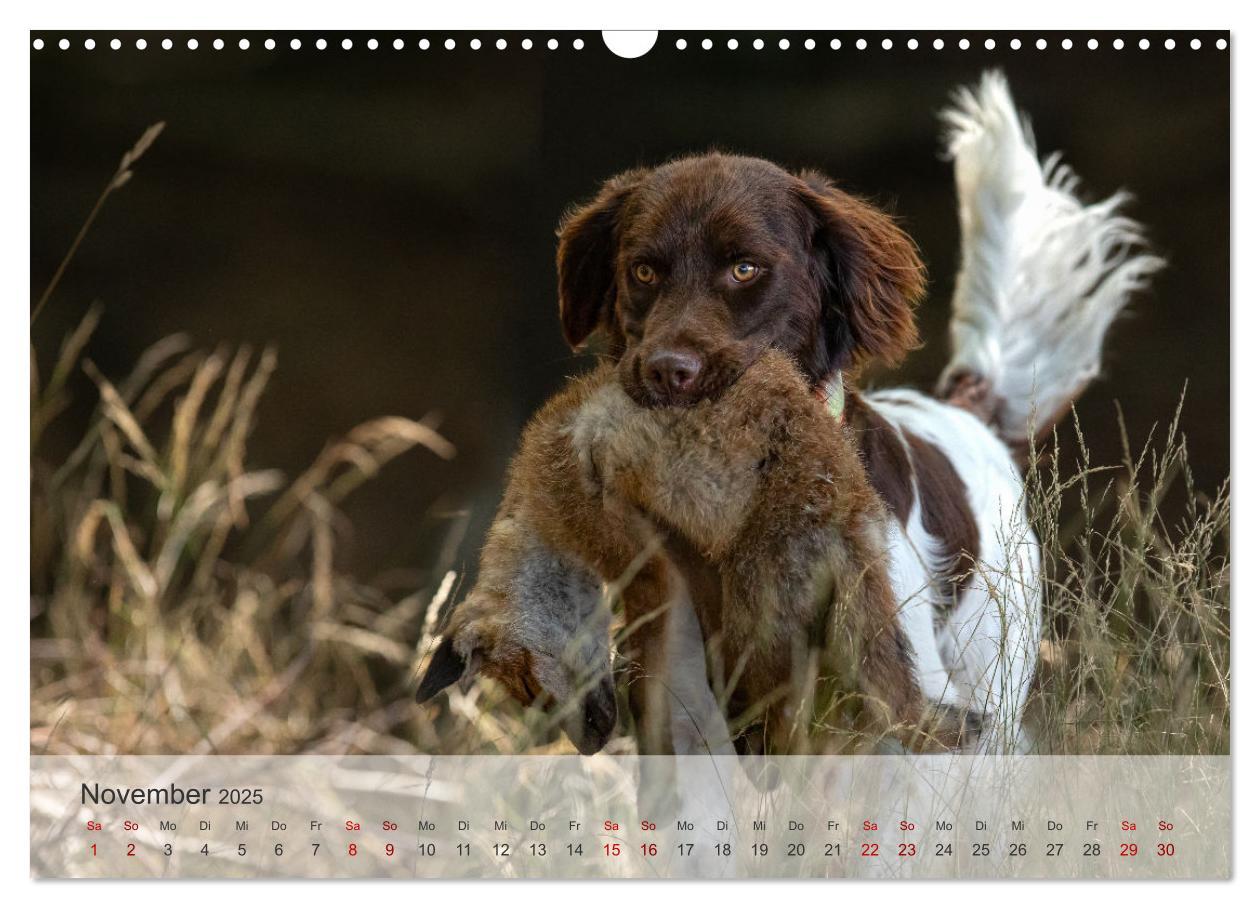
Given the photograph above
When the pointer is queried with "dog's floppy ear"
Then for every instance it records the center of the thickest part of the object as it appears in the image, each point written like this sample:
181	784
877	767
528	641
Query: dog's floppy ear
586	258
870	277
445	668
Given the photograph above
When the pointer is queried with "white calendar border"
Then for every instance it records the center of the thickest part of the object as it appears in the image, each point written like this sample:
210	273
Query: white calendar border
489	14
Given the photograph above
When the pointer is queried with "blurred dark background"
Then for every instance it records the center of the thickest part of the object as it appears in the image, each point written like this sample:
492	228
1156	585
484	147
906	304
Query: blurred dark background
385	219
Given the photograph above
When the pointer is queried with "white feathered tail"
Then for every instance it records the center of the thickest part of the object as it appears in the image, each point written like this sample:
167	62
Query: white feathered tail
1042	275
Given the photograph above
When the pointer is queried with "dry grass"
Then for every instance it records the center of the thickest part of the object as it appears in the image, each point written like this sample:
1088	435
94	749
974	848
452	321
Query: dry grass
1135	656
186	601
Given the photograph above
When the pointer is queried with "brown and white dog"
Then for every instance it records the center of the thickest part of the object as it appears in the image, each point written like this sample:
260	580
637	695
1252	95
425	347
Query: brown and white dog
696	269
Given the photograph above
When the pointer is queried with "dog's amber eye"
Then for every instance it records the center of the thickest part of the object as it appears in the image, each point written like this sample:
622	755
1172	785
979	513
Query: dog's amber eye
644	273
743	272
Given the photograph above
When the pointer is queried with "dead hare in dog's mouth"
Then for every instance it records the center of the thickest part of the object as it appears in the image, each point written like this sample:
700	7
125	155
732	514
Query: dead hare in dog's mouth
766	486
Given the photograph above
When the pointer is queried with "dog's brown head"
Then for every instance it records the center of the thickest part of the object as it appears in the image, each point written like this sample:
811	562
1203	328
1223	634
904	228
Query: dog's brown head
695	268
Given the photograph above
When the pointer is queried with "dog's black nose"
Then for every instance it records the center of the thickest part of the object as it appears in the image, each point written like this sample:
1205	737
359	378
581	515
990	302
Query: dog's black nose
672	373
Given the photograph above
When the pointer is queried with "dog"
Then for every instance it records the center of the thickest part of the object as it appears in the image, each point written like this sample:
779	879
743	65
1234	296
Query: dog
695	270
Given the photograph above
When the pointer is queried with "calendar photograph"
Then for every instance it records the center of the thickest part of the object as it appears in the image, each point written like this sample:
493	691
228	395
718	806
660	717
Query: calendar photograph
658	455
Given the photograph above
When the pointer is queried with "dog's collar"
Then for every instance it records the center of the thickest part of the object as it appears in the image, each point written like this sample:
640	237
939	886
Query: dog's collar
833	397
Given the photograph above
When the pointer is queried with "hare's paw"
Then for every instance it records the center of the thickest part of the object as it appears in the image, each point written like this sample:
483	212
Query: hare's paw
608	433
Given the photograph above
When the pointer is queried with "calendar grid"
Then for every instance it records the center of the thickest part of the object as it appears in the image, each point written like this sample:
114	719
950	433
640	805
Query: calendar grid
573	817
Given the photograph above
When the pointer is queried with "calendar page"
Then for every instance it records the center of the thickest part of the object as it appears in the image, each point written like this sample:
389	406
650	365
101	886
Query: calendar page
696	454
